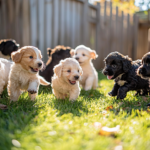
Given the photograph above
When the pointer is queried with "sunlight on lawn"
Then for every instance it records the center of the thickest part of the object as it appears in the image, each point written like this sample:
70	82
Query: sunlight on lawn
49	123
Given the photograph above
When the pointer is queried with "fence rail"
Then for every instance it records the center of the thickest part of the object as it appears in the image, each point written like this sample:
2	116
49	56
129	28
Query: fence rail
47	23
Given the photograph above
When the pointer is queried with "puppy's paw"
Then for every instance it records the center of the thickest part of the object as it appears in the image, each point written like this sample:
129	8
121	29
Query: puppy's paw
121	96
32	91
112	94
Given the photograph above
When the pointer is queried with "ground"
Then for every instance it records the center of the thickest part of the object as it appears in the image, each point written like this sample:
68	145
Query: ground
48	123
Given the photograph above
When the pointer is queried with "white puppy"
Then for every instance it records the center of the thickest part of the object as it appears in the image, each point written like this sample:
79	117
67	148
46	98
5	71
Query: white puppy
4	73
24	72
84	56
65	82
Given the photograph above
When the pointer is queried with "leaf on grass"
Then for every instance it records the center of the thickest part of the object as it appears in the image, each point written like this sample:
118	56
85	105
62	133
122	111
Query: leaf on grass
109	107
126	108
109	131
145	98
148	109
3	106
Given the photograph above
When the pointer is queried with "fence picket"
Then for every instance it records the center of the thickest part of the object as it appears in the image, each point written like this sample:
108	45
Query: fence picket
26	22
33	22
48	25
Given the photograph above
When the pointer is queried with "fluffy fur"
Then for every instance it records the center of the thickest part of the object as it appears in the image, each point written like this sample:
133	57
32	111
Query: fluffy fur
123	70
144	69
24	73
65	82
84	56
5	66
7	46
60	52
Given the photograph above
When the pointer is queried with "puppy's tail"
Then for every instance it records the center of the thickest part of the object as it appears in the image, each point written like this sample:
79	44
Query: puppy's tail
43	81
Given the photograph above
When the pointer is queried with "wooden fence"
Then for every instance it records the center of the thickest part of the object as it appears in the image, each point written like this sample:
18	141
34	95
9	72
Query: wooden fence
47	23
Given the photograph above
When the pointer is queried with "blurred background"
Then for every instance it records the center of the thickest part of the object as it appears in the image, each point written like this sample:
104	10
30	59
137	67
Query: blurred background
106	26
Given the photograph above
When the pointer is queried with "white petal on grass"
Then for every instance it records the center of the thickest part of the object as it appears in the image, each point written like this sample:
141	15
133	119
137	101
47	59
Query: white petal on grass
38	148
70	122
16	143
85	124
52	133
118	147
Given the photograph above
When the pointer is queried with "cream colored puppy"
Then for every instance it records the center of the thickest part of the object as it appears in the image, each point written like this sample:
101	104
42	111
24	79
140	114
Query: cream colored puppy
65	82
84	56
24	72
4	73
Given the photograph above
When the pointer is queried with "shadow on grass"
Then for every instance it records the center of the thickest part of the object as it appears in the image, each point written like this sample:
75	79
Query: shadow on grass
139	103
77	108
91	94
45	89
16	118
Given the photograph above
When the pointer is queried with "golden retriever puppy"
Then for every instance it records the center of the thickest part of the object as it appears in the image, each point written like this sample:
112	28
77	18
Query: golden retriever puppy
24	72
5	66
84	56
65	82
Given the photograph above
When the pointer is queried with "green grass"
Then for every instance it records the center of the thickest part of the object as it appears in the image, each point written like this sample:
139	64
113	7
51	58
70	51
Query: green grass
51	124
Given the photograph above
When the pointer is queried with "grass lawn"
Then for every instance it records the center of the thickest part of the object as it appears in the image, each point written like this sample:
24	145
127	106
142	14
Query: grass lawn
51	124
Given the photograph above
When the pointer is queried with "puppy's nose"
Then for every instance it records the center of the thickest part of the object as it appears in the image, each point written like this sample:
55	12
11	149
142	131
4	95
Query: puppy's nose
76	77
105	72
77	58
39	64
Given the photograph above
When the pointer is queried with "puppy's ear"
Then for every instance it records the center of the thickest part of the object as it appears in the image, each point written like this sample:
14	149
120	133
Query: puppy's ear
127	62
72	52
58	69
49	51
93	54
16	56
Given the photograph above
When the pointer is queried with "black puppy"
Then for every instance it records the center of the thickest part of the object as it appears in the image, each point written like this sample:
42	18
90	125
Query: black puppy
7	46
123	70
144	69
55	55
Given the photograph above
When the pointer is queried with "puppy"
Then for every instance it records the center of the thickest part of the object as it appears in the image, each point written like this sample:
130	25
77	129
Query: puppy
65	82
60	52
5	66
7	46
24	72
84	56
144	69
123	70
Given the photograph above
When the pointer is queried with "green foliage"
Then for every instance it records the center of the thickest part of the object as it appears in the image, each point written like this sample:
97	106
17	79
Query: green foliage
48	123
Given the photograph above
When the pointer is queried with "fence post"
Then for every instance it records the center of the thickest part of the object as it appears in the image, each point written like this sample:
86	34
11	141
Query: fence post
85	24
135	36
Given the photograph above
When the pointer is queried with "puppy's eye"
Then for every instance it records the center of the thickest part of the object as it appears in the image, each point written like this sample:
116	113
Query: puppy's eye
114	66
75	53
30	57
83	54
68	70
78	70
